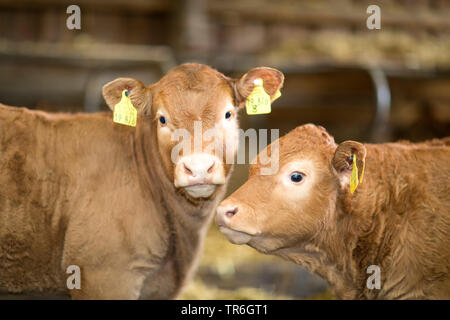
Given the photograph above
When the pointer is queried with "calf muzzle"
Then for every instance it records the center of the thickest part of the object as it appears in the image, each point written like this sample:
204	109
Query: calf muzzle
223	220
199	174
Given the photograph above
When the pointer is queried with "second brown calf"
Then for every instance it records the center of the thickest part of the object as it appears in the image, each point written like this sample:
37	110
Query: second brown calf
396	221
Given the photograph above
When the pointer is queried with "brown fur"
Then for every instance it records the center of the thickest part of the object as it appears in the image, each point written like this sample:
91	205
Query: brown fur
398	218
81	190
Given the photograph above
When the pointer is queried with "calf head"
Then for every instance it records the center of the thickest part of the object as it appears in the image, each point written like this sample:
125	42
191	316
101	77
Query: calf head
189	102
284	210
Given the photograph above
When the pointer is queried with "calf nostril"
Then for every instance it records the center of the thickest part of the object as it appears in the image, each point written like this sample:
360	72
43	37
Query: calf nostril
231	212
211	168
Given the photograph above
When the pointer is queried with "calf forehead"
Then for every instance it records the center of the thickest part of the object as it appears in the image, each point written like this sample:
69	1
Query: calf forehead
304	142
193	92
192	75
306	139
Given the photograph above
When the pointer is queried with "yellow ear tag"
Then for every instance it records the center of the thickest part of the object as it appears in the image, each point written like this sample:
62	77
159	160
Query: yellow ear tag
258	102
124	112
354	177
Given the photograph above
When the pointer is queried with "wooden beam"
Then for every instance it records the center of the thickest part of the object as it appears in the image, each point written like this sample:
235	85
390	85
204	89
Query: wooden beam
278	12
143	6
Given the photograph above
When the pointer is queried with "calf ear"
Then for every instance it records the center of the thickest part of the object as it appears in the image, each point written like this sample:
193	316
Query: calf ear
343	159
139	93
272	78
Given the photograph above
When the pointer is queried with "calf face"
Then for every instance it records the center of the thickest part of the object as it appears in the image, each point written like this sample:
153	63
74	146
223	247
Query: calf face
188	102
271	212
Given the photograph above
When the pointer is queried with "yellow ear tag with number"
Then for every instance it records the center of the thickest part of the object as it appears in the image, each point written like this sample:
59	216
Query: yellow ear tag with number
258	102
354	176
124	112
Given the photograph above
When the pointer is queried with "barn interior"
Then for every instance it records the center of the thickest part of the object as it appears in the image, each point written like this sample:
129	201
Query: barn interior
371	85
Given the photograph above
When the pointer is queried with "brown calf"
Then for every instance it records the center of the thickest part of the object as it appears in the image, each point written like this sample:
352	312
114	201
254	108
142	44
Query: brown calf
397	219
81	190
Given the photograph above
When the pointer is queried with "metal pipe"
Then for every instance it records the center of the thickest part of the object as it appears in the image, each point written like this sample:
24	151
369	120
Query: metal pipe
380	126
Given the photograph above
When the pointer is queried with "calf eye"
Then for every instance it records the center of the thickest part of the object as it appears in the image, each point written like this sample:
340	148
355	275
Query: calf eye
228	115
297	177
162	120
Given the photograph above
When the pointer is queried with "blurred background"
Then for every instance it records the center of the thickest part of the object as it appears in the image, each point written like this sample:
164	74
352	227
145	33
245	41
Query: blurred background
360	84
